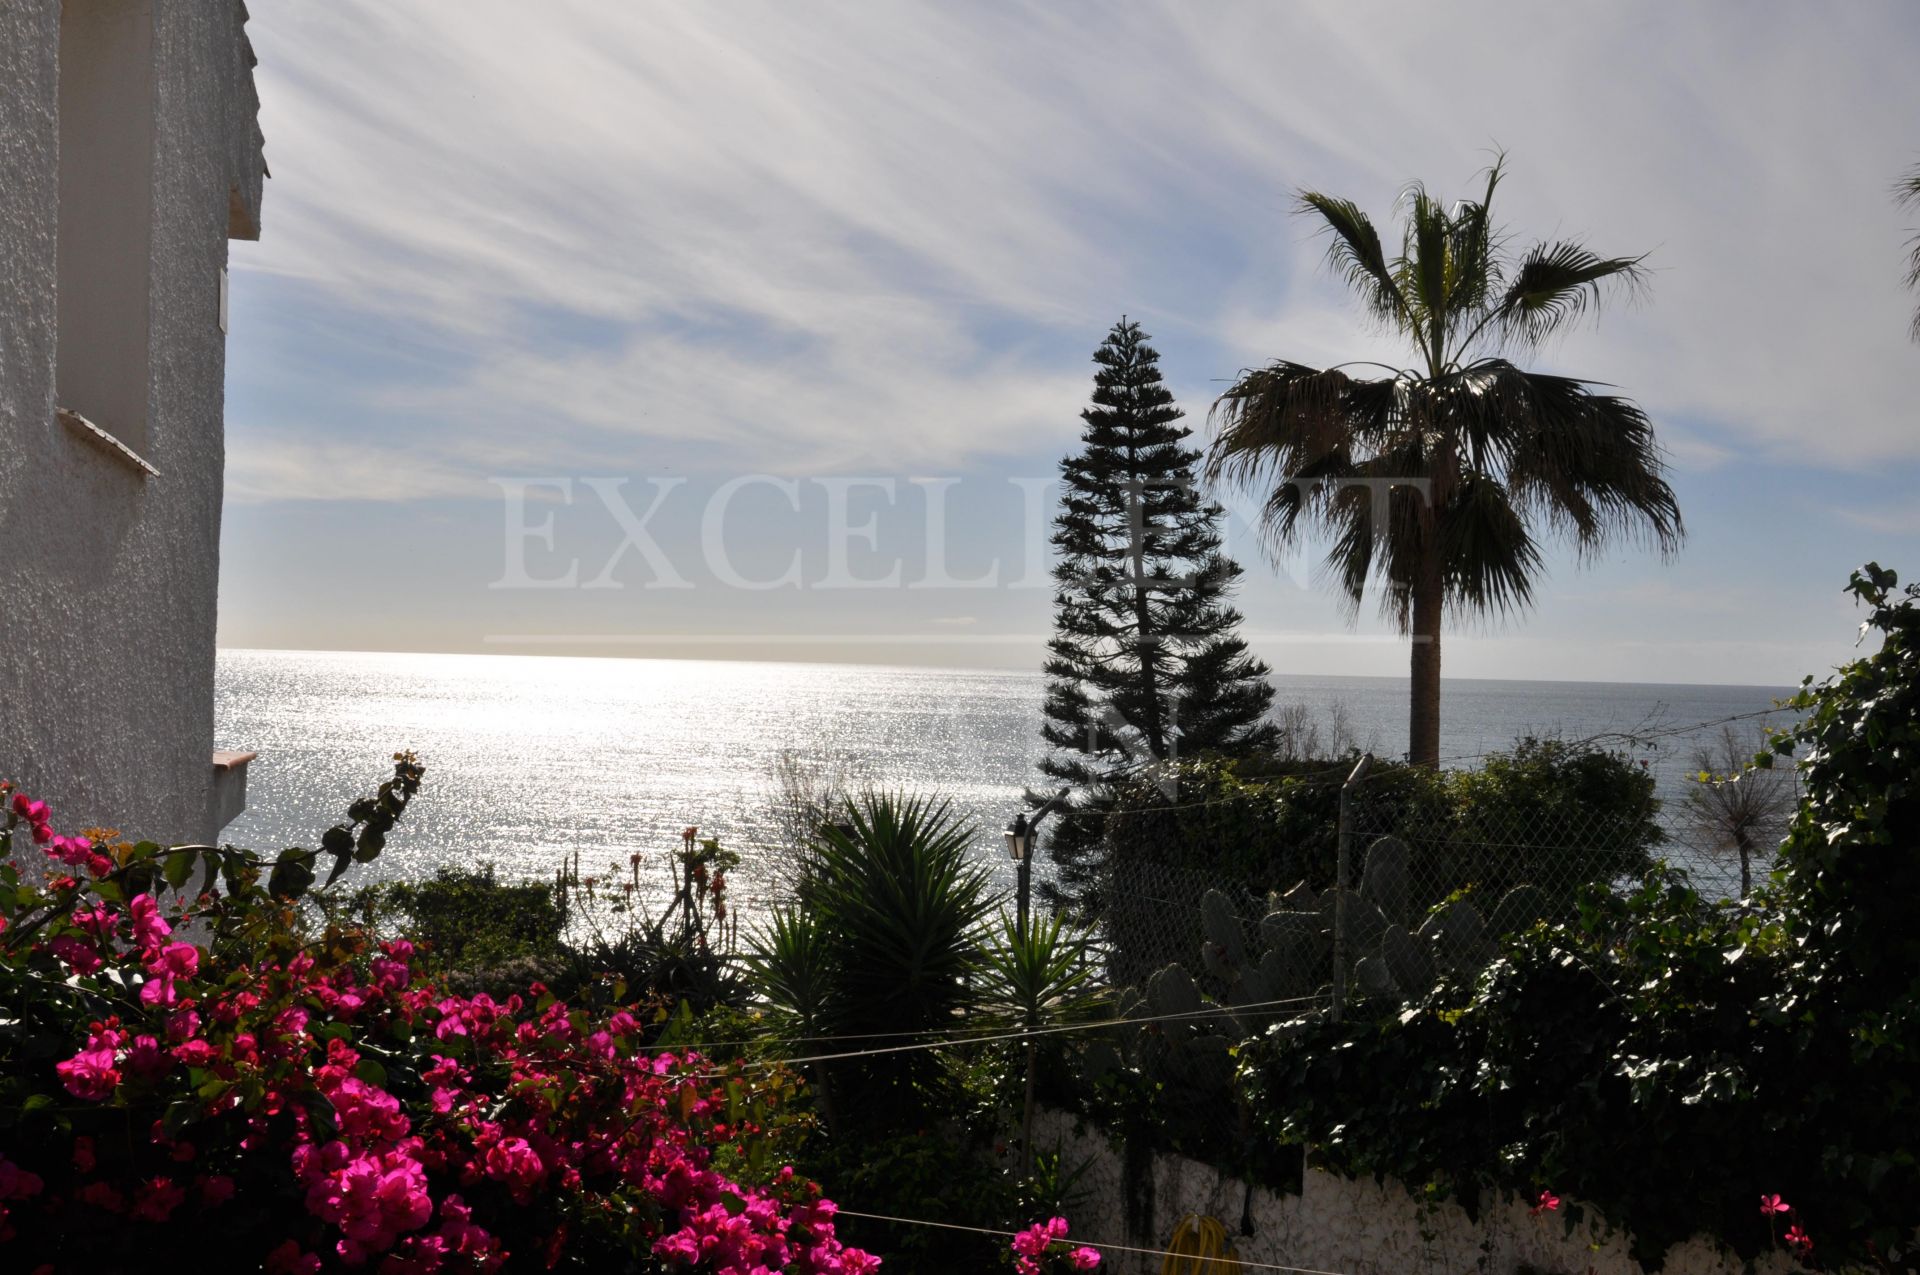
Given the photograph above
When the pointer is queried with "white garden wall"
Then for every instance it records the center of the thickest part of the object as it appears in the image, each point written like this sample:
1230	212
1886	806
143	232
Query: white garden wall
1346	1226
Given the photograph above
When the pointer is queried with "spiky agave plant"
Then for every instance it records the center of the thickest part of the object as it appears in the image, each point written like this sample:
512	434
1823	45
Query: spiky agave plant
1043	974
1469	455
882	949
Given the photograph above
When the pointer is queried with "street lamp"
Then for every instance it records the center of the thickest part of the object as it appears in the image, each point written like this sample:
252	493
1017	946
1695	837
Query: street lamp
1021	836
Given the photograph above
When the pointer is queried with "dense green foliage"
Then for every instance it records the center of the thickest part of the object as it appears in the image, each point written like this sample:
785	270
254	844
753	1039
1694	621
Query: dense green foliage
471	919
887	931
1666	1059
1145	664
888	947
1549	813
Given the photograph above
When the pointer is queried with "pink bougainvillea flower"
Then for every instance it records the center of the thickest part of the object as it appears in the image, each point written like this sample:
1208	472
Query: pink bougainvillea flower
78	954
89	1074
72	851
156	1199
1798	1239
291	1259
159	990
182	960
1771	1204
102	1195
16	1183
147	1060
1083	1258
150	929
1547	1203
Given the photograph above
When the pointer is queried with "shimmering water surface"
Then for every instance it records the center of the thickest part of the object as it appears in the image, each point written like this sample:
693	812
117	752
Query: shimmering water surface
530	758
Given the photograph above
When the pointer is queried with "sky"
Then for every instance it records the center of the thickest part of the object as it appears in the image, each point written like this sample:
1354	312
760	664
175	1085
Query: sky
683	330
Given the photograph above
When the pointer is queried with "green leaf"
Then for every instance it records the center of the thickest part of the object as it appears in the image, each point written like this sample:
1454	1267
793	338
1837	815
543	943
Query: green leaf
179	866
178	1116
292	874
371	1071
208	875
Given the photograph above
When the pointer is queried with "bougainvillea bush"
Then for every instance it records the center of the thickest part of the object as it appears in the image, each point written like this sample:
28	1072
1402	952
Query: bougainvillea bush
195	1071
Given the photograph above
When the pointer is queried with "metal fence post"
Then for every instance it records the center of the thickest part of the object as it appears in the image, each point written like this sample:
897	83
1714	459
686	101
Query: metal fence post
1340	872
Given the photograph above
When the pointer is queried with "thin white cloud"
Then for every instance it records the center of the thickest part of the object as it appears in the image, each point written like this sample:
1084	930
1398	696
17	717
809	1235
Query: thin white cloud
266	469
824	236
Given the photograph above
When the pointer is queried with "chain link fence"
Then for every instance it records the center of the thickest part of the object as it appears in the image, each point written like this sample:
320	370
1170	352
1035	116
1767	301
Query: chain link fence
1207	957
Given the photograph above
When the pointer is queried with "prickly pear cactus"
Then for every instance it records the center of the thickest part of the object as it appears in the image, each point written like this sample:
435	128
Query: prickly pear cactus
1390	953
1223	952
1184	1044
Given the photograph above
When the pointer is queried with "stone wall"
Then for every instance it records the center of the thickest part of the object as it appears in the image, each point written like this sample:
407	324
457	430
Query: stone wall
1344	1226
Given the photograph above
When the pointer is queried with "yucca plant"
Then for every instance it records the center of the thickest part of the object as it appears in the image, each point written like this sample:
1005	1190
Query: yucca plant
900	898
792	964
885	945
1040	976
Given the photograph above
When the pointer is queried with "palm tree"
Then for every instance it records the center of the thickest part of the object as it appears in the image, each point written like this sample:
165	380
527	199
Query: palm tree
1466	455
1907	191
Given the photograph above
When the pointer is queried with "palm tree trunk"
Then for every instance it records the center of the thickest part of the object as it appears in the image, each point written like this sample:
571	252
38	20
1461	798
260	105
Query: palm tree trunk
1423	721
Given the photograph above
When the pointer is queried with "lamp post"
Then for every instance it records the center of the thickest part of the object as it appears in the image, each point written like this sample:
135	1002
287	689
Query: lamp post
1022	835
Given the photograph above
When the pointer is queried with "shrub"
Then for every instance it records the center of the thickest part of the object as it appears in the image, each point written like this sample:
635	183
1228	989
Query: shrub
685	955
1547	803
883	946
470	919
1548	813
1665	1058
319	1101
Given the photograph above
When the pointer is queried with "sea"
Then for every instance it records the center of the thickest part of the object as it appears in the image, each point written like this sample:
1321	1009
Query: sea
532	761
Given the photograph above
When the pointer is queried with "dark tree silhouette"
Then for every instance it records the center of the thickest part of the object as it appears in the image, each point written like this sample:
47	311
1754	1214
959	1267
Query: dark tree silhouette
1145	665
1466	455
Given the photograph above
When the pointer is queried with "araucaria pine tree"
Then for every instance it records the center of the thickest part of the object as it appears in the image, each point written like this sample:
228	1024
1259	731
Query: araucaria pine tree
1145	665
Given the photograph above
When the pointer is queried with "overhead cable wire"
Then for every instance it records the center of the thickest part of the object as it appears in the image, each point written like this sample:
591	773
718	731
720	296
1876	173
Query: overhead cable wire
1095	1244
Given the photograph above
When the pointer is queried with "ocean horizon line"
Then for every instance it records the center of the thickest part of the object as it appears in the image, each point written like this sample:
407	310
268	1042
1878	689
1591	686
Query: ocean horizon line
993	669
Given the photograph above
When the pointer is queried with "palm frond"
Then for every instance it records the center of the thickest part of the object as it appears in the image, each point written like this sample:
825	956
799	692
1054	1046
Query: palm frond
1488	555
1047	972
1423	267
1586	462
1474	269
1354	252
1557	284
1907	193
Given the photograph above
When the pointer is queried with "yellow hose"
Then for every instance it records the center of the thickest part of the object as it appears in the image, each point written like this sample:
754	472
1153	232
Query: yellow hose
1199	1247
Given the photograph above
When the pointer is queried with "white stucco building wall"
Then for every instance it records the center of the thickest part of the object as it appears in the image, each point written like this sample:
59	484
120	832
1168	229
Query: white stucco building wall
109	565
1350	1227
